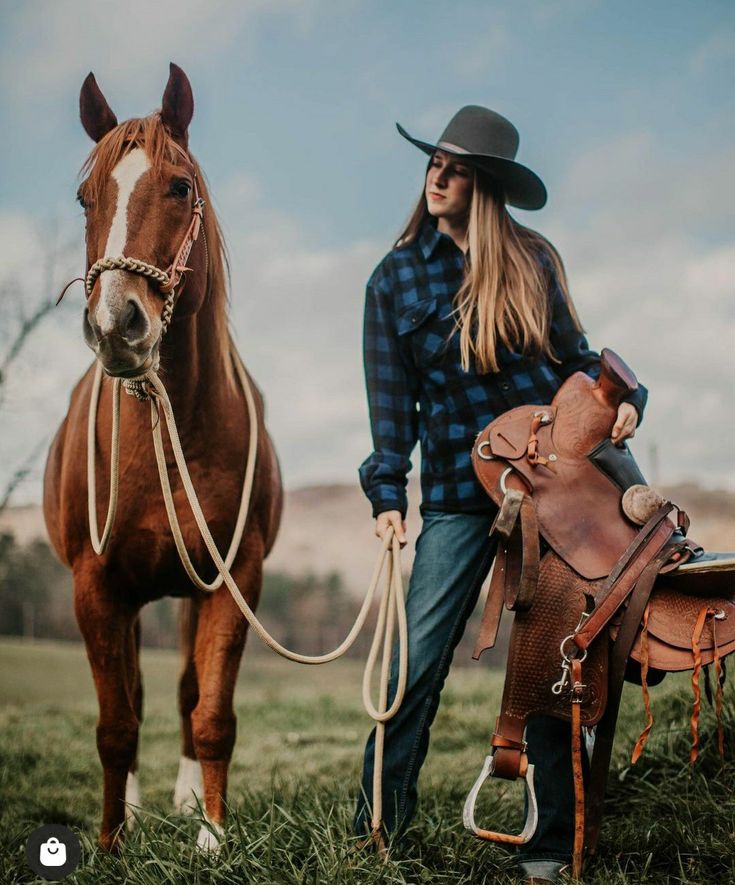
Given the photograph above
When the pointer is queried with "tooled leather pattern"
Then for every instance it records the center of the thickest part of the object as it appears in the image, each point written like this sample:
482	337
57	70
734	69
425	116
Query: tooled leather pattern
534	659
671	624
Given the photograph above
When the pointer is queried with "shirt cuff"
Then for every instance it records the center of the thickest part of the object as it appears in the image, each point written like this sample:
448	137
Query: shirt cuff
638	399
389	499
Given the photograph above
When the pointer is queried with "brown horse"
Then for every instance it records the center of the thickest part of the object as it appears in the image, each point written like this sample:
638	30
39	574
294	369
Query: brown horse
140	196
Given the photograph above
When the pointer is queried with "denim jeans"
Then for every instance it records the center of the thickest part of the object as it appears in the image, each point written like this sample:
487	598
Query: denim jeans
453	557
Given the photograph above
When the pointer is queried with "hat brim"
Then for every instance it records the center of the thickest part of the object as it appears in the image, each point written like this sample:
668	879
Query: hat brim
523	188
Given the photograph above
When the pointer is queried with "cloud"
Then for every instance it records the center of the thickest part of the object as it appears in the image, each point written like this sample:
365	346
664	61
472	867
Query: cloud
297	315
656	189
650	252
717	48
50	39
35	263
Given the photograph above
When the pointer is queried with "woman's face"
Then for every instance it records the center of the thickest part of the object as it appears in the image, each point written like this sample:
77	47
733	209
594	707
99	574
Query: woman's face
448	188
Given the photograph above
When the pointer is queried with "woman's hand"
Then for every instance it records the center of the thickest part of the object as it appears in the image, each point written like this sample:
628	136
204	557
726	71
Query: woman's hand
625	424
391	518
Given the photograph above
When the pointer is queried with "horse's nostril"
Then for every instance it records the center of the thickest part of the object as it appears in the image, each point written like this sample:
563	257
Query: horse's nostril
88	329
135	323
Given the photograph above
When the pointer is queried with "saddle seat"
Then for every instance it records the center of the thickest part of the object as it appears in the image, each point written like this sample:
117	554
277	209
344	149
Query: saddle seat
577	506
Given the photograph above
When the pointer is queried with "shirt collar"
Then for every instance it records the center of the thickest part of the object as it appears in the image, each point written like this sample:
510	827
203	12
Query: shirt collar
429	239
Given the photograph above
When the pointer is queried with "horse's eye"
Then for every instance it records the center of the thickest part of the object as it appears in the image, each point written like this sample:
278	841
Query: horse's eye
82	202
181	188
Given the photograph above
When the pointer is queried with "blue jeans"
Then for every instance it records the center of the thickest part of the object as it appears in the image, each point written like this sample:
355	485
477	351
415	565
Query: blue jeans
453	557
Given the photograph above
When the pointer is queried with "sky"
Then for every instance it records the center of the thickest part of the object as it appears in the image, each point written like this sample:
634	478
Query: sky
625	110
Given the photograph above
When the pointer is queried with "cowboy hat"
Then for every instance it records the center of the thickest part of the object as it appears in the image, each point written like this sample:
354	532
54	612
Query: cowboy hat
488	141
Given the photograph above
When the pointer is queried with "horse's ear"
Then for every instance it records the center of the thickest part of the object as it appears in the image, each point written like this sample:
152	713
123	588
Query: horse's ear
97	118
177	107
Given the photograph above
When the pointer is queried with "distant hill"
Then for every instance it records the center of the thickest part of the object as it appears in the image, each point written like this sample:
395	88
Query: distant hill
328	528
325	528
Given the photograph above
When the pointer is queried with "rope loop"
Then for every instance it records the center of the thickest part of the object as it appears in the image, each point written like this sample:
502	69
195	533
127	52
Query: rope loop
392	605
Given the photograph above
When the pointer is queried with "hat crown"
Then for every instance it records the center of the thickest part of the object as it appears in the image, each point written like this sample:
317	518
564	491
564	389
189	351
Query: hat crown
478	130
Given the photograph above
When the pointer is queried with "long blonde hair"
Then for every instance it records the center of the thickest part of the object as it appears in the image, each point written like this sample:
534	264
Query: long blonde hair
504	296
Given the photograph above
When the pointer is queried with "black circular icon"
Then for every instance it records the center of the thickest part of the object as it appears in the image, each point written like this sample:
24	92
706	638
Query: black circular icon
53	852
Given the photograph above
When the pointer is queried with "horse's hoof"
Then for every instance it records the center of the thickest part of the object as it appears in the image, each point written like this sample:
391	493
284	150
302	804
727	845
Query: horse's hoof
132	800
188	790
111	843
210	837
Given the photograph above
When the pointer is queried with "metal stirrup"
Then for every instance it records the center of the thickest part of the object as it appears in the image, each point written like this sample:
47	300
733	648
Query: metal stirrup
468	814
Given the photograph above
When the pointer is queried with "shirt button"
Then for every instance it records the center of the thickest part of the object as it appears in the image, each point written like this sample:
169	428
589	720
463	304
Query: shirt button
505	386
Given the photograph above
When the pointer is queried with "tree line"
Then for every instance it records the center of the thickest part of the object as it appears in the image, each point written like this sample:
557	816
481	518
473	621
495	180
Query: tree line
310	613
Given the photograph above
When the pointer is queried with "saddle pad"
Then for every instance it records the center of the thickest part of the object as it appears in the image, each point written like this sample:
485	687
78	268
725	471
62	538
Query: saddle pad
706	574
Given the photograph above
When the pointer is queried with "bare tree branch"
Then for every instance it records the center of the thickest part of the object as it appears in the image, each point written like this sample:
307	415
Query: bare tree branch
26	328
21	473
26	321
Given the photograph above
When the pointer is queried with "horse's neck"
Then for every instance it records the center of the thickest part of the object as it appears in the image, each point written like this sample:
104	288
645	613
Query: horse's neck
193	365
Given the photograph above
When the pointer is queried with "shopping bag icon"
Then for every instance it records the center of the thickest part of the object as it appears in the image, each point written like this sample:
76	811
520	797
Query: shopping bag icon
53	853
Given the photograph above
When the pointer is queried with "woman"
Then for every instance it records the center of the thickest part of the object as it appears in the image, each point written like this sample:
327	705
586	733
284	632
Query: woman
468	316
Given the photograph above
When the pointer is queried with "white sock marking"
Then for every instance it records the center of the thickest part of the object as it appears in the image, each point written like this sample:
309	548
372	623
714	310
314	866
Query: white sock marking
188	790
132	799
210	837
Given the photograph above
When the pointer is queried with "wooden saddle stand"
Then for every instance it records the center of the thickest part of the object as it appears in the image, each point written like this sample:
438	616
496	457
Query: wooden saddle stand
612	585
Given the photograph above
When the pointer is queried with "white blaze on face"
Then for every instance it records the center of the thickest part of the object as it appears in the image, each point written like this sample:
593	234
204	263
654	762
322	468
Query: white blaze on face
113	296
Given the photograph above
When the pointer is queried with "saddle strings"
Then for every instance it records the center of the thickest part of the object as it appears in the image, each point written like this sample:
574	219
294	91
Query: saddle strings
641	742
705	613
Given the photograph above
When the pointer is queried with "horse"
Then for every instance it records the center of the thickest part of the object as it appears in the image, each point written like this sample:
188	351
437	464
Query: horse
142	193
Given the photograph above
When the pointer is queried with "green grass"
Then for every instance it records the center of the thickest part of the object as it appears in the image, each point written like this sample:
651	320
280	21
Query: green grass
295	770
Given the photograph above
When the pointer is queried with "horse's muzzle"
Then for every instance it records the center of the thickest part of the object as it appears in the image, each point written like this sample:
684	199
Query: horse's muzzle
130	349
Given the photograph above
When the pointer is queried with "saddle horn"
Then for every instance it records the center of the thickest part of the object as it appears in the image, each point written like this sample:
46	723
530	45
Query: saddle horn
616	381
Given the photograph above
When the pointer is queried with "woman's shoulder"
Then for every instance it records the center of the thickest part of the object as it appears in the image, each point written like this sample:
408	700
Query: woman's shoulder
394	266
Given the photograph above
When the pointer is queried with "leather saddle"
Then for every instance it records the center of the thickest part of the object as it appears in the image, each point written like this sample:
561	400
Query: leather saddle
603	580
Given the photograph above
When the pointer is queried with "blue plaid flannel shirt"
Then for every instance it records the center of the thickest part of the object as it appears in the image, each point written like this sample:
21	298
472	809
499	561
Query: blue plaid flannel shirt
418	390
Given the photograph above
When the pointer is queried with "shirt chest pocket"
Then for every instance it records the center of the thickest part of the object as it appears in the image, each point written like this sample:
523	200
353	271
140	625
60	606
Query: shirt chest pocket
423	332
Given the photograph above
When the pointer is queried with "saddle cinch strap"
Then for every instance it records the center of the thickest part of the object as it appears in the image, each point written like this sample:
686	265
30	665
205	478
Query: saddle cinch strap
554	473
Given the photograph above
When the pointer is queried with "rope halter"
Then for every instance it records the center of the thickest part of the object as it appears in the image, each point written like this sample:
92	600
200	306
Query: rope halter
168	280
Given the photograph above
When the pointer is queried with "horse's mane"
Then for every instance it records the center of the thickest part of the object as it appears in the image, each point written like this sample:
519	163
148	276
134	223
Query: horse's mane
150	134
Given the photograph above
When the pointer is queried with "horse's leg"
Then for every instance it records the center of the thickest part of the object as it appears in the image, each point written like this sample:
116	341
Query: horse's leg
106	623
219	643
188	790
135	682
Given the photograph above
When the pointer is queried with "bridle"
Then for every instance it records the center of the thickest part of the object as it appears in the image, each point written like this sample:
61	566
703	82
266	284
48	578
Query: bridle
169	279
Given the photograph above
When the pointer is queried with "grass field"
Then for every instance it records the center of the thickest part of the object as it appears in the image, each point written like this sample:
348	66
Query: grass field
295	770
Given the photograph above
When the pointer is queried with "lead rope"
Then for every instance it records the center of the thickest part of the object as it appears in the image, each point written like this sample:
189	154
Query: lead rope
392	604
99	545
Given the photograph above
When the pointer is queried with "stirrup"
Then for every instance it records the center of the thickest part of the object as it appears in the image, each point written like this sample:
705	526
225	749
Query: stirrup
468	814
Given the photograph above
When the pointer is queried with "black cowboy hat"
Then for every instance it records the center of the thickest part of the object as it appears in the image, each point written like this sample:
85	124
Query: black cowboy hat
489	142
